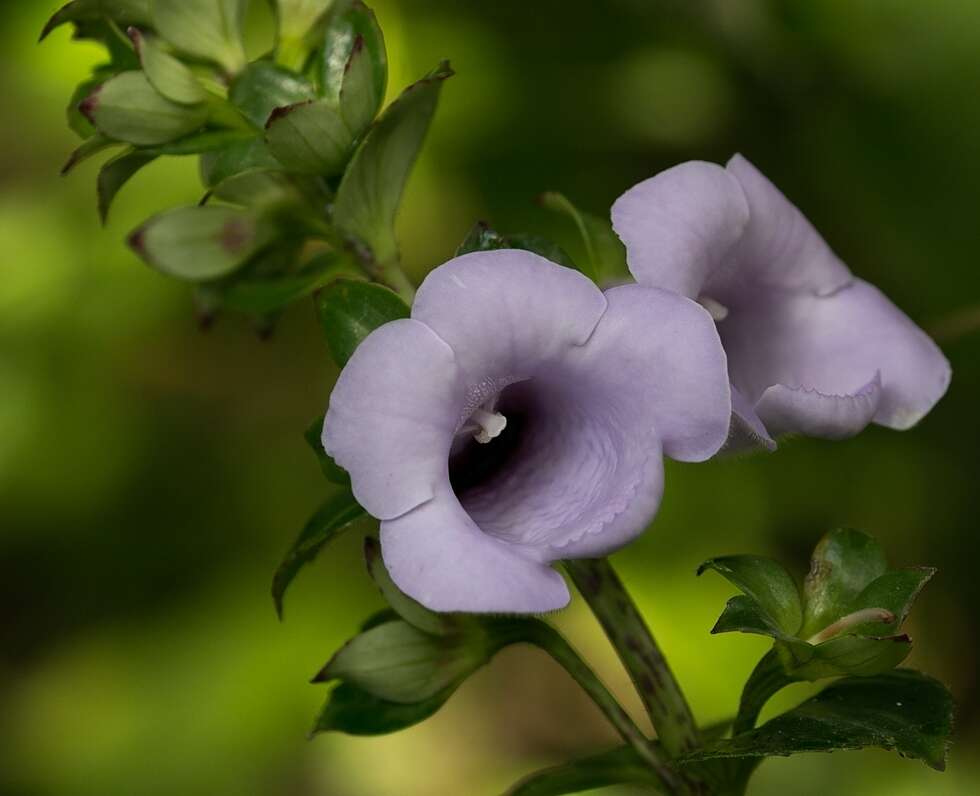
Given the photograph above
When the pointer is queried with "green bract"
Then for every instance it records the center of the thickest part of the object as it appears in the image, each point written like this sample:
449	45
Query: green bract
207	29
371	189
201	243
169	76
309	138
850	615
128	108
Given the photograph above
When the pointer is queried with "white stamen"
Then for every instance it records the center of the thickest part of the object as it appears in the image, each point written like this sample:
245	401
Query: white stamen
716	309
490	424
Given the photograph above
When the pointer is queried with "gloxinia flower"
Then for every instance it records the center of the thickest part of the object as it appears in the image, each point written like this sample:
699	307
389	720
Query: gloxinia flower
811	349
517	418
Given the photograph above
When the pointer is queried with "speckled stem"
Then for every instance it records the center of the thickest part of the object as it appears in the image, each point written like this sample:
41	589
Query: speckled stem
542	635
637	649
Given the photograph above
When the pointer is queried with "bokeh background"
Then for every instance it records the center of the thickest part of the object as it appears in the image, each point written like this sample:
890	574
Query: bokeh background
151	475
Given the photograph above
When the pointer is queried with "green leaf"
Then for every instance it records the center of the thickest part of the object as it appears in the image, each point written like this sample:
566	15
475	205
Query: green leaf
765	581
902	710
894	591
371	190
247	155
206	29
622	766
169	76
331	470
398	662
354	711
362	92
350	310
200	243
408	609
349	20
257	188
605	255
263	86
128	108
843	564
89	148
115	173
334	516
744	615
122	12
309	138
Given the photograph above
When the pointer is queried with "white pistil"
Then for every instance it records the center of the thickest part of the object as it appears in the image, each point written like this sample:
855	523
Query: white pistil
489	425
716	309
852	620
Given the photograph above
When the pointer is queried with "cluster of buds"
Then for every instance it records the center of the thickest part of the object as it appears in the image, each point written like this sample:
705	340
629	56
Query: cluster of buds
302	177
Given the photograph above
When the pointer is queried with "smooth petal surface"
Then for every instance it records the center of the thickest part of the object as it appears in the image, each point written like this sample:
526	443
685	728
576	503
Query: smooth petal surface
437	555
505	313
780	247
680	225
834	345
392	416
788	410
659	354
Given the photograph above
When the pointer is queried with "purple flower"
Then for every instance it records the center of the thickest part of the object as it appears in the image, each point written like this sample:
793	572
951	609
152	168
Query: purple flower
811	349
517	418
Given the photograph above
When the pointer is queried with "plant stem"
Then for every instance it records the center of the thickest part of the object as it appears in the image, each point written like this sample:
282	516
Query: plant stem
766	679
637	649
544	636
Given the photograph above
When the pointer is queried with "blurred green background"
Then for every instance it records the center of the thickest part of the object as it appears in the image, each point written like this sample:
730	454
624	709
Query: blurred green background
152	475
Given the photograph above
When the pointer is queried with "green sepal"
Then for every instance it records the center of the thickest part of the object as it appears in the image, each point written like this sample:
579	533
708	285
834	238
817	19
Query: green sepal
621	766
851	655
335	515
250	154
408	609
400	663
605	255
201	243
767	582
128	108
902	710
362	92
210	30
371	189
204	142
115	173
262	295
78	121
309	138
122	12
844	562
348	21
354	711
331	471
264	86
168	75
482	238
349	310
894	591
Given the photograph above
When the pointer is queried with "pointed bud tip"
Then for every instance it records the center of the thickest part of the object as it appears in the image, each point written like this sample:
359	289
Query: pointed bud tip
137	241
88	106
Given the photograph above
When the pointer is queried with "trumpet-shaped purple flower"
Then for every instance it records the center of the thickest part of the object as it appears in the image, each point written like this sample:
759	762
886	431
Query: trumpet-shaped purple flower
517	418
811	349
